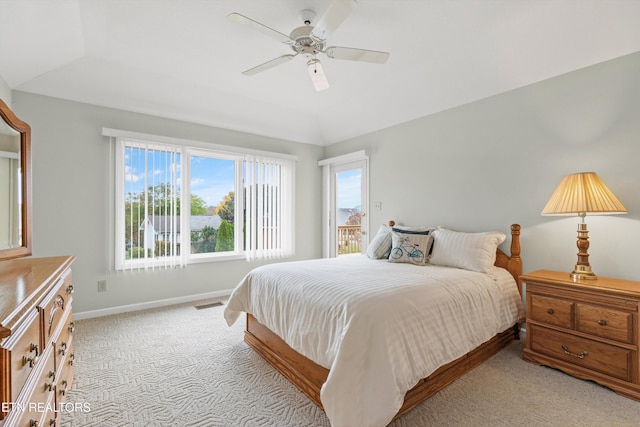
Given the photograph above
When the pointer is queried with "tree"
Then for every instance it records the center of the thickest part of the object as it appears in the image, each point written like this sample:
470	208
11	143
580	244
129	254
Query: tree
355	218
198	205
204	241
224	241
225	208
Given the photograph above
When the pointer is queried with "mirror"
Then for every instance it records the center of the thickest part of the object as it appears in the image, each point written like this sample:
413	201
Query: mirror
15	185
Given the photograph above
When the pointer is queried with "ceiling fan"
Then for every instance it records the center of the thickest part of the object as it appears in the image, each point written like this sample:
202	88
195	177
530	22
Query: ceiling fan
310	40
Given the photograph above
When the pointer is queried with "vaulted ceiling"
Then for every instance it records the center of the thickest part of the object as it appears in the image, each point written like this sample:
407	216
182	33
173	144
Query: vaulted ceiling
183	59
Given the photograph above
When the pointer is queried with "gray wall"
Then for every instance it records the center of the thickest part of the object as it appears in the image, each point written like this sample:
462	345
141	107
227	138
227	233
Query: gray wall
5	92
71	196
496	161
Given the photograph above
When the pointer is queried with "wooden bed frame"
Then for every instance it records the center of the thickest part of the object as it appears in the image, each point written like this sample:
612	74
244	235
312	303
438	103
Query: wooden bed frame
309	376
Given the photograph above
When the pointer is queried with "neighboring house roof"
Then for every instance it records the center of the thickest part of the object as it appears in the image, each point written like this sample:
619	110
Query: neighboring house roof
199	222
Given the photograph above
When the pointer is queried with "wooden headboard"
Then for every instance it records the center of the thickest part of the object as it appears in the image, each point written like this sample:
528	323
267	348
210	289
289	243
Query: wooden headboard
512	263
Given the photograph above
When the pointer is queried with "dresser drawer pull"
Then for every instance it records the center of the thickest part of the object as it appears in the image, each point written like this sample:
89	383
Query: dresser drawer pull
550	311
71	327
52	421
70	289
579	356
48	386
33	423
31	360
63	391
602	322
52	375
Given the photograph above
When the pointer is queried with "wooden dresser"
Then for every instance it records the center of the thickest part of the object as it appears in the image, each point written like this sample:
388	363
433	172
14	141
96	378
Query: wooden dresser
588	329
36	344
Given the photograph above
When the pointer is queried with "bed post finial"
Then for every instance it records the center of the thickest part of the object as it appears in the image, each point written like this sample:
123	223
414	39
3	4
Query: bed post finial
515	240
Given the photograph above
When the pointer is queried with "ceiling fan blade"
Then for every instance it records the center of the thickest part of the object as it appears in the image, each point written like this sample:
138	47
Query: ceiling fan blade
316	72
332	18
354	54
241	19
269	64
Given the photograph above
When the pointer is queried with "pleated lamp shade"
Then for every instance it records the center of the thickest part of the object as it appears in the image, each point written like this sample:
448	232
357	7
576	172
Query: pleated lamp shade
581	194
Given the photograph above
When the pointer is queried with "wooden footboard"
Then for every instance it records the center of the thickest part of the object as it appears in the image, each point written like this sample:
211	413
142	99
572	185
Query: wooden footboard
308	376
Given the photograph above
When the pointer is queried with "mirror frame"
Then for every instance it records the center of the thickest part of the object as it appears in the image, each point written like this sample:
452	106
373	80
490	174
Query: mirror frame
25	163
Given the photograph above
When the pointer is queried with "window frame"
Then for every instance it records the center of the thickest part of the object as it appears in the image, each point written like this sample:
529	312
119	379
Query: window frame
185	238
188	148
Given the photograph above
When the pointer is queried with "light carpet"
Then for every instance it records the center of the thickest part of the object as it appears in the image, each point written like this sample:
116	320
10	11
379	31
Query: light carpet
179	366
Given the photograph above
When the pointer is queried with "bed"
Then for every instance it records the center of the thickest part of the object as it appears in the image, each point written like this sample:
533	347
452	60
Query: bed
369	339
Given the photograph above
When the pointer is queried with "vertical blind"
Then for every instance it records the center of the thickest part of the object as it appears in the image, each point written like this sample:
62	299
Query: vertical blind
151	206
268	202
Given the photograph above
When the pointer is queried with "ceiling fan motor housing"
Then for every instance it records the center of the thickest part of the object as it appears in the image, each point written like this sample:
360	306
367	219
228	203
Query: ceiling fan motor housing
304	43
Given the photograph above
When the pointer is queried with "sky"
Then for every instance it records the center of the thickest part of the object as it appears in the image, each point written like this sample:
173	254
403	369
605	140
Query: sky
349	188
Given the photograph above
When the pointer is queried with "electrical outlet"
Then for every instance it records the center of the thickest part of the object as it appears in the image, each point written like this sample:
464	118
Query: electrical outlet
102	286
378	205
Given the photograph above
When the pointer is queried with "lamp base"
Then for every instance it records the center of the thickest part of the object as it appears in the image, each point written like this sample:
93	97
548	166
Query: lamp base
583	272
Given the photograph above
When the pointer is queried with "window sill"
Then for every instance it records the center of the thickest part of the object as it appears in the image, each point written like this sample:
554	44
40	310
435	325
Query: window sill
215	258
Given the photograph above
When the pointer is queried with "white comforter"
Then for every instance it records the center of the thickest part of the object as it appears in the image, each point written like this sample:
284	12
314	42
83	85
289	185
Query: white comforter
379	327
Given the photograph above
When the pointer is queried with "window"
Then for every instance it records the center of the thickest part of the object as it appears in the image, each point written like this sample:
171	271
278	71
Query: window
177	203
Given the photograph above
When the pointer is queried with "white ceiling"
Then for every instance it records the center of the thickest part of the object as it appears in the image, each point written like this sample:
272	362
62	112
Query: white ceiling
182	59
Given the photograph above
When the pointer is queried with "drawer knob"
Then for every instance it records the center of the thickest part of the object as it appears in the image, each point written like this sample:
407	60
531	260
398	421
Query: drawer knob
33	423
48	386
602	322
52	375
70	289
550	311
52	421
71	327
579	356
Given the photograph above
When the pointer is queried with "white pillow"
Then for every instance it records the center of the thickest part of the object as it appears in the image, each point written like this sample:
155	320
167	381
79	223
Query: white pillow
410	247
470	251
380	246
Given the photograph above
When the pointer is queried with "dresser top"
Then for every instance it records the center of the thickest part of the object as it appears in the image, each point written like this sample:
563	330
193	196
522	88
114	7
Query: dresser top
23	282
617	286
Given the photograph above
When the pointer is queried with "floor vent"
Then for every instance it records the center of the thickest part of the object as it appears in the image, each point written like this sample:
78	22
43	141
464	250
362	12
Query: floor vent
213	304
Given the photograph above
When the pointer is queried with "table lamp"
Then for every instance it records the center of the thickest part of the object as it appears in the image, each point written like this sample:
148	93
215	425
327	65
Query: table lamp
581	194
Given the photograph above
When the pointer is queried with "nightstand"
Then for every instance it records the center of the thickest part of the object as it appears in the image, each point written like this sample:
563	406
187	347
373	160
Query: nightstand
588	329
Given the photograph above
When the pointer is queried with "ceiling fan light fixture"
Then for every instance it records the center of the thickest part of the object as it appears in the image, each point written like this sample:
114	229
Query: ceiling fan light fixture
318	78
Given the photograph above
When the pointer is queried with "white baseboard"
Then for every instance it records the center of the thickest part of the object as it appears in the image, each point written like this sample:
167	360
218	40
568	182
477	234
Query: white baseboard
150	304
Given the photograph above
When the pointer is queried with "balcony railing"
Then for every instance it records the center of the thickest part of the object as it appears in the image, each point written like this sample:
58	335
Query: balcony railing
349	239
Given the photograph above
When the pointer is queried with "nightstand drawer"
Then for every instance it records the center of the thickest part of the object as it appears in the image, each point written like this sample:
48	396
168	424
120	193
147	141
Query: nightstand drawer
604	322
608	359
552	311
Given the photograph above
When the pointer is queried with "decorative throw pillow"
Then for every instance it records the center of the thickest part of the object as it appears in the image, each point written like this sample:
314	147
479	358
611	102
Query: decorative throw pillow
470	251
410	247
380	246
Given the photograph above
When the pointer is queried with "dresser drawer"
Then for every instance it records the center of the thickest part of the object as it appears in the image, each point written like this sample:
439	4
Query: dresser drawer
54	304
552	311
65	376
604	358
39	405
604	322
23	352
63	340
